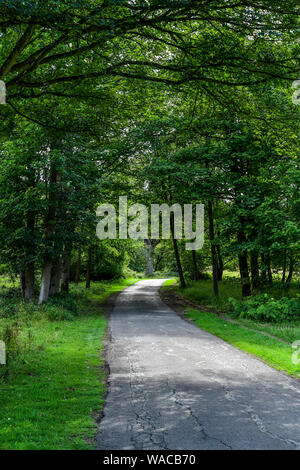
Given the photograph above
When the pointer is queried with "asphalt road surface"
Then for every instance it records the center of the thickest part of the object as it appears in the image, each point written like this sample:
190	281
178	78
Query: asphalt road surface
174	386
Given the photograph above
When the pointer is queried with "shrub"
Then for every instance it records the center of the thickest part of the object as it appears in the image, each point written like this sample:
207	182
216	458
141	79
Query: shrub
267	309
197	293
131	273
10	334
65	302
205	276
57	313
8	307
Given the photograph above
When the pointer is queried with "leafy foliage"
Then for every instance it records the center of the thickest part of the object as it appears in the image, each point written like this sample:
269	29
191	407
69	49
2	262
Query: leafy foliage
266	308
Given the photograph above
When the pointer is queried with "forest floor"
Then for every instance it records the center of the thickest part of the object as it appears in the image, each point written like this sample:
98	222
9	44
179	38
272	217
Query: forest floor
173	385
54	393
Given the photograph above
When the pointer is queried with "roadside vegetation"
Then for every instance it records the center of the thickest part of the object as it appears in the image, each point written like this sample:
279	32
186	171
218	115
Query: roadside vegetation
265	324
53	385
274	352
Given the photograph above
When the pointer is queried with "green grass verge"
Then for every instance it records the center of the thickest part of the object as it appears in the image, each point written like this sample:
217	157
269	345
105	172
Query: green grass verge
273	352
287	331
57	385
200	292
170	282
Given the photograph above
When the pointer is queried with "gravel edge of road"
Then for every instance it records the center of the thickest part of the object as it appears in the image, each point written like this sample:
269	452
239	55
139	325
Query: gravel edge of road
107	307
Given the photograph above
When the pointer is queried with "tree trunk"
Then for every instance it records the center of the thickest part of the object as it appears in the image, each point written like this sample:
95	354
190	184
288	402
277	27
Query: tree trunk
291	271
65	279
254	269
176	252
263	268
243	265
22	283
29	283
55	277
269	270
151	244
150	250
49	232
213	249
220	265
78	266
157	262
284	267
30	251
149	268
88	269
195	267
45	282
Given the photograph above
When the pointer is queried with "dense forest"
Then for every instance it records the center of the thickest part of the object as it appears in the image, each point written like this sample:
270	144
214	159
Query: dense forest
161	101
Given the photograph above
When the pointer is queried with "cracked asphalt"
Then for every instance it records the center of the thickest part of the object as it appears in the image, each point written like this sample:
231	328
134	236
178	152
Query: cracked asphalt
174	386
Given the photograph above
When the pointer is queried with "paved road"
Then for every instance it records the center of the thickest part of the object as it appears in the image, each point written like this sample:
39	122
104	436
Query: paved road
174	386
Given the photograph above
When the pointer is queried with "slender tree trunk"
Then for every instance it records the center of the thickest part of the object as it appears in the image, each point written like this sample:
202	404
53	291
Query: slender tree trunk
291	271
150	250
22	283
65	279
151	244
88	269
157	262
55	277
284	267
30	251
176	252
49	232
45	282
195	267
78	266
254	269
213	249
269	270
243	265
29	283
263	268
220	264
149	268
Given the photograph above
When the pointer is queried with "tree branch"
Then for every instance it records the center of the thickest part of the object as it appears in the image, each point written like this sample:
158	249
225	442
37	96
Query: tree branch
17	50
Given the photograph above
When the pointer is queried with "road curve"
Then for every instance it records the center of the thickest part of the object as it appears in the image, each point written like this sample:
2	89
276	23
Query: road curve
174	386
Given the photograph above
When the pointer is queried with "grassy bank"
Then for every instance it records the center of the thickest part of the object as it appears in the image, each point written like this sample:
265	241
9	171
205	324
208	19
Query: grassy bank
273	352
55	382
248	335
200	293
